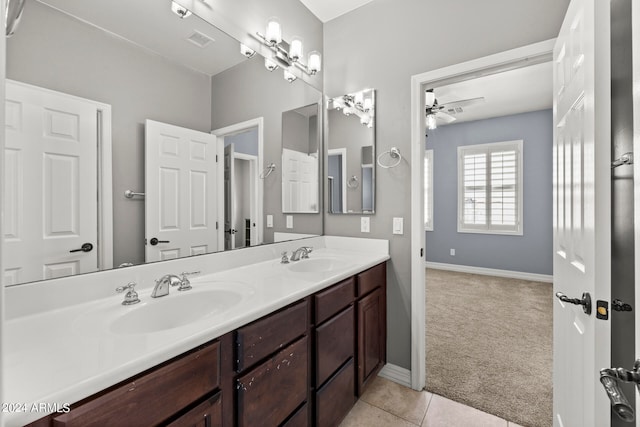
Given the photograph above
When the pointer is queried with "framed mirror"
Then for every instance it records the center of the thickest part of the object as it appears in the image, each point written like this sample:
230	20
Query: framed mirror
351	153
146	64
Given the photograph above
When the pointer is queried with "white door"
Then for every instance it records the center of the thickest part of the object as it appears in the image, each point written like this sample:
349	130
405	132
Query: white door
181	194
582	213
299	182
229	197
50	209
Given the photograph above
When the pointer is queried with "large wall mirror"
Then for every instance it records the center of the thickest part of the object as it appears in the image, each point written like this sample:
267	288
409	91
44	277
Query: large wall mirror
351	153
150	91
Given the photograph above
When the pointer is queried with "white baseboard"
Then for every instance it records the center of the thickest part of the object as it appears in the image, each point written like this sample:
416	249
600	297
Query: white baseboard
490	272
396	374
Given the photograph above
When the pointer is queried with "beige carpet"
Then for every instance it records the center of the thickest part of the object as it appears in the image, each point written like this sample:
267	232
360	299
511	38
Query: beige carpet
489	344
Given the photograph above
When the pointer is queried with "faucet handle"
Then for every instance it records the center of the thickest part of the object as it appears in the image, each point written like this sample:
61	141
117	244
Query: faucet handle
284	259
131	297
307	251
185	284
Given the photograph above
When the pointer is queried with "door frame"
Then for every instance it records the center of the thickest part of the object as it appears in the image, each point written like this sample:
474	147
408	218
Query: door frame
511	59
231	130
254	184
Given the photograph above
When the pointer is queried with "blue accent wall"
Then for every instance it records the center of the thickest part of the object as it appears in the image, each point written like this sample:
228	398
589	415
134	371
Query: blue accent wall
533	251
244	142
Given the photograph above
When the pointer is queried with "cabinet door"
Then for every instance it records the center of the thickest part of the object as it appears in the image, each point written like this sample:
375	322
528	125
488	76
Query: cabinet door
371	337
334	344
206	414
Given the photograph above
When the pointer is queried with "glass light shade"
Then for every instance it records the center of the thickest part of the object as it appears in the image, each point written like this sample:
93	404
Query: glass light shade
429	98
431	121
289	76
359	98
364	119
346	111
315	62
274	31
270	64
368	103
179	10
295	49
247	51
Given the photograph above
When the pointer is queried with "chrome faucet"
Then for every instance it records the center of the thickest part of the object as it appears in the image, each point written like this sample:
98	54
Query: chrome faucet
131	297
162	284
301	253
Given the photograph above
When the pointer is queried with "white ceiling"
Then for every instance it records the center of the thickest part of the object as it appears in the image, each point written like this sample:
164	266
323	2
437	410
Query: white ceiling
326	10
511	92
151	24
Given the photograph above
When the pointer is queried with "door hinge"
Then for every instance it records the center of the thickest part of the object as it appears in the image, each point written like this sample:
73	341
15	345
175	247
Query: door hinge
421	252
216	225
216	158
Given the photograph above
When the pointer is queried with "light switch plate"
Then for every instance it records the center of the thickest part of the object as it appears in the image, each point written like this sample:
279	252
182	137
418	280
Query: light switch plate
289	221
364	224
269	221
398	225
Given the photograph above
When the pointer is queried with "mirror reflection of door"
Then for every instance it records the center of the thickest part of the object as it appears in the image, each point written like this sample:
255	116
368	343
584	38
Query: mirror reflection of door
240	189
50	211
337	164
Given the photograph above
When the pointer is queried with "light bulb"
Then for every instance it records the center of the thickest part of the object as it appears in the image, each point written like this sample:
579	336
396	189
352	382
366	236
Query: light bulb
270	64
295	49
274	31
368	103
429	98
314	62
364	119
359	98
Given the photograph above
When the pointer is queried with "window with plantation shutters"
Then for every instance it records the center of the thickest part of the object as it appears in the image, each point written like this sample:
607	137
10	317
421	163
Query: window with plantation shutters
428	190
490	188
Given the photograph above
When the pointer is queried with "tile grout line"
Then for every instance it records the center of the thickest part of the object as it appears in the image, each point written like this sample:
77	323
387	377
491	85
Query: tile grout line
395	415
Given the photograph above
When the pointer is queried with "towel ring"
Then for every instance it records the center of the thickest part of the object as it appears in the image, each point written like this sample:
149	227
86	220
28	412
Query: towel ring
394	153
267	171
353	182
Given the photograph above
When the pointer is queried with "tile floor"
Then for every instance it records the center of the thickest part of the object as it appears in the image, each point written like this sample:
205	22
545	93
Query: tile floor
387	404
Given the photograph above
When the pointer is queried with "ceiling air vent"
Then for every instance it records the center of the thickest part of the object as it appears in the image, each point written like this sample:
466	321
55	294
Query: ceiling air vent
454	110
200	39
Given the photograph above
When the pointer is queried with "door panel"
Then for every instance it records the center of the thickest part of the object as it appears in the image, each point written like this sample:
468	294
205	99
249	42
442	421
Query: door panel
582	212
181	192
52	209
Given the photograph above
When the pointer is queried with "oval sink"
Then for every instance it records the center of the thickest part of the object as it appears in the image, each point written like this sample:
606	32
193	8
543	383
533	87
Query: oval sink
317	265
174	311
178	309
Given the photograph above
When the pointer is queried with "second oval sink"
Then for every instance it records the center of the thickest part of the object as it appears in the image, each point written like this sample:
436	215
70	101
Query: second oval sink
317	265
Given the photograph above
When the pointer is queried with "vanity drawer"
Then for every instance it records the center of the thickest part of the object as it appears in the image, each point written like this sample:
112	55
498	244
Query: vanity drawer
152	397
269	393
206	414
336	398
372	278
334	344
300	418
334	299
262	337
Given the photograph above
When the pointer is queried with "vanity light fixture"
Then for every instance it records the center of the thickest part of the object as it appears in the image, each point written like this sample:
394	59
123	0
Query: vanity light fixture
182	12
269	64
360	104
288	54
289	76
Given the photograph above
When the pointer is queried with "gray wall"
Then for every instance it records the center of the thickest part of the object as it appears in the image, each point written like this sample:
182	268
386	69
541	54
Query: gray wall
533	251
248	91
57	52
381	45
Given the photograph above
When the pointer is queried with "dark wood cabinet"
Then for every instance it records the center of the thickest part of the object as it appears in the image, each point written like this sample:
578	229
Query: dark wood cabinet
371	325
269	393
302	365
205	414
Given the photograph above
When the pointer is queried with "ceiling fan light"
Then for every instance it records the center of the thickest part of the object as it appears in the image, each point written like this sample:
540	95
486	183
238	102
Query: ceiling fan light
429	98
431	121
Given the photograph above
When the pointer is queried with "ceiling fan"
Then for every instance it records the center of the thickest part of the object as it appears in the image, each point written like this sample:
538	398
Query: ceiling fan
444	112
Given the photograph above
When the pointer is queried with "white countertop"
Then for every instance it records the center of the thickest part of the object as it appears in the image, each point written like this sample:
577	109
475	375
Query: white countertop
56	357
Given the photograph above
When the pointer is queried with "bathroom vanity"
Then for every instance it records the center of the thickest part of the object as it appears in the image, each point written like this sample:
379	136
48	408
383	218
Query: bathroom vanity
309	339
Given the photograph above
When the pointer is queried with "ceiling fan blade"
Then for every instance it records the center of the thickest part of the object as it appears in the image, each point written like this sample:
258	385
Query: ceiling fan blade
463	103
446	118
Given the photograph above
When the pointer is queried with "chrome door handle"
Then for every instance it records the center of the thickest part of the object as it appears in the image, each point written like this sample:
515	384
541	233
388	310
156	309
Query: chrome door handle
611	379
585	302
86	247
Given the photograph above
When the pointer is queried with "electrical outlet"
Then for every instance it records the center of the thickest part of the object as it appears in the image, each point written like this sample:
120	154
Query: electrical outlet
289	221
452	252
364	224
269	221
